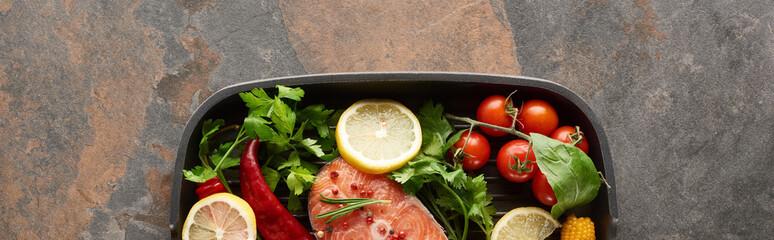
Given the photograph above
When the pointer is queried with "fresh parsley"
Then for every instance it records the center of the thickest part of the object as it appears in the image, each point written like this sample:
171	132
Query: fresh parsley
452	196
220	157
290	135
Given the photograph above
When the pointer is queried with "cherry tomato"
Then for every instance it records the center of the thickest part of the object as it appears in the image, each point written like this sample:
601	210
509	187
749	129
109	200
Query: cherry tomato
492	111
542	190
563	134
537	116
509	168
478	149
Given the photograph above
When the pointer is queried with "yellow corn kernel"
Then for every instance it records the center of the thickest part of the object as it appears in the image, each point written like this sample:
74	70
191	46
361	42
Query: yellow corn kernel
578	228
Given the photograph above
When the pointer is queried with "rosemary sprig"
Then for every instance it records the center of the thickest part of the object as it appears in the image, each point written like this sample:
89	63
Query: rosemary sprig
352	204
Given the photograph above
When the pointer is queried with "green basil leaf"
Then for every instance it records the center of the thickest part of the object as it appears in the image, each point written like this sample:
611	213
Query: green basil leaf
569	171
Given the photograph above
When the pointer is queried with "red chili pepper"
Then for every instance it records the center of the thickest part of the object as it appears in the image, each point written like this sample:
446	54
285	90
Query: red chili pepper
209	187
274	222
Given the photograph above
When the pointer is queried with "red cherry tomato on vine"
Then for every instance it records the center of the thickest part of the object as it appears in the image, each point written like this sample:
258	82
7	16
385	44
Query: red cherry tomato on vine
542	190
563	134
492	111
512	170
537	116
478	149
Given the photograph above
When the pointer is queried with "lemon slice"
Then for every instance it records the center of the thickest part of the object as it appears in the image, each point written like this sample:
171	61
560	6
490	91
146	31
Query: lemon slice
220	216
525	223
378	135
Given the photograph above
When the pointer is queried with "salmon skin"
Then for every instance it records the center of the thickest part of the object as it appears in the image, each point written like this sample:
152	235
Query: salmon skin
405	213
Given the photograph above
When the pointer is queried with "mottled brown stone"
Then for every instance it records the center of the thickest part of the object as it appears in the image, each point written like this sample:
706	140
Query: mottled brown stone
644	27
193	77
339	36
102	66
5	5
197	5
5	98
165	153
160	187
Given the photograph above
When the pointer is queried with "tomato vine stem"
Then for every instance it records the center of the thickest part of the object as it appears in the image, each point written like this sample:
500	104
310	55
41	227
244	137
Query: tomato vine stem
472	122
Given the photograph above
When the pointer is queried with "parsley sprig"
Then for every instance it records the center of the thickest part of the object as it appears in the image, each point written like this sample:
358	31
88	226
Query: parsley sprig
220	158
451	196
288	133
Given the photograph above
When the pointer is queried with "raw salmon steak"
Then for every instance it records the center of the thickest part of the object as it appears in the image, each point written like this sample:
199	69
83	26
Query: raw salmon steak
405	213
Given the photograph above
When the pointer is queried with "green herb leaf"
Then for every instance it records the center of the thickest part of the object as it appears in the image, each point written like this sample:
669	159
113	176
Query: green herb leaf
317	116
281	142
328	145
448	201
256	125
311	167
435	129
569	171
258	100
283	117
199	174
299	179
456	178
208	128
292	161
271	176
418	172
290	93
452	140
299	135
311	147
294	204
478	200
330	156
228	161
453	196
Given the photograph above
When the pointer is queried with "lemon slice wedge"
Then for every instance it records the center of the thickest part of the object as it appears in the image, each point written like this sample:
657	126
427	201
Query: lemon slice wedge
525	223
378	135
220	216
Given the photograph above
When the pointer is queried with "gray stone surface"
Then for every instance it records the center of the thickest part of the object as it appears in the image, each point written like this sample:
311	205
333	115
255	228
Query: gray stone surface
687	105
94	95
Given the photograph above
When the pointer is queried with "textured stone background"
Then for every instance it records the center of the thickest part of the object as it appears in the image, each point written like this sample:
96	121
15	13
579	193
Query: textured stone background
94	95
